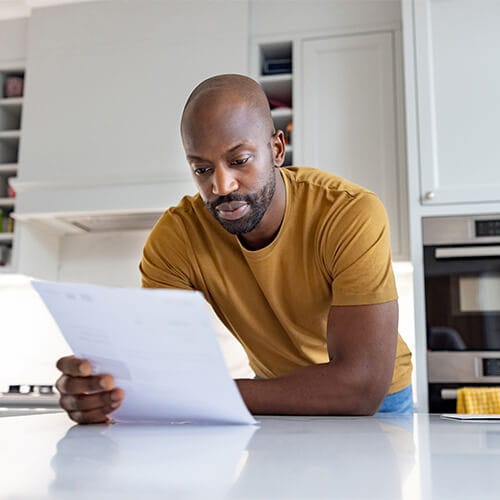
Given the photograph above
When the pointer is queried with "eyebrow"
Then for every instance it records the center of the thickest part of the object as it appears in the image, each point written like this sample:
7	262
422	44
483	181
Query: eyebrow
230	150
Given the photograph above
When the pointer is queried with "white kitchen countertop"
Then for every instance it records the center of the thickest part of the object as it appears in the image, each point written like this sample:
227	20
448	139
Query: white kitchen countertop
415	457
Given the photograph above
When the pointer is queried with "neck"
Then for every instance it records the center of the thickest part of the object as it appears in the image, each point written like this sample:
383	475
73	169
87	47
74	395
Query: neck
270	224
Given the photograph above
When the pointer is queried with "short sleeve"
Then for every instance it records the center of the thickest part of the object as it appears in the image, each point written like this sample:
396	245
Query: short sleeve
357	254
165	262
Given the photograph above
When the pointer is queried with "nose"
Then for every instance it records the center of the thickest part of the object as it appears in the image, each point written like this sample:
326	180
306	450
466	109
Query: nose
223	182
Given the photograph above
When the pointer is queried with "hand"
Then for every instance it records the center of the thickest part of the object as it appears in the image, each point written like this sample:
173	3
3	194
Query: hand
87	398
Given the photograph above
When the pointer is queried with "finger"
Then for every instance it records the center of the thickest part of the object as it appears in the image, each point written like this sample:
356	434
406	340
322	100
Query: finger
75	367
84	385
91	416
86	402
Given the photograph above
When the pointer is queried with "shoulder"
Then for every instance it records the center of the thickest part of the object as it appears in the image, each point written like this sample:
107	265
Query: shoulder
330	194
165	258
170	234
306	179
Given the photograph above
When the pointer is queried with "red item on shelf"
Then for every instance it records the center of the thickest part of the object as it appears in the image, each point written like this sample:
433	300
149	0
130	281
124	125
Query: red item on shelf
14	86
276	103
11	192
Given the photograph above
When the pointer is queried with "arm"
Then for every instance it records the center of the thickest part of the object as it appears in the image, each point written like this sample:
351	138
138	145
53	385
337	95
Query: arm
362	347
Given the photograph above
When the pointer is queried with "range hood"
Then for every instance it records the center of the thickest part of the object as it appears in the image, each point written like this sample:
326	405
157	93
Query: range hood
76	207
112	222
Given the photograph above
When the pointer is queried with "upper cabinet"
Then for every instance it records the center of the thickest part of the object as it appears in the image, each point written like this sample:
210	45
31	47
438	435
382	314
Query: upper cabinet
106	88
453	57
353	116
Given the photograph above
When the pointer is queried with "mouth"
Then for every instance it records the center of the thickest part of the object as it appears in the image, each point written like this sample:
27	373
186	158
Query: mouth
232	210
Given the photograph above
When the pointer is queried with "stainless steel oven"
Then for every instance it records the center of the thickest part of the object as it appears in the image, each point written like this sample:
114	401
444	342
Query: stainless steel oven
462	302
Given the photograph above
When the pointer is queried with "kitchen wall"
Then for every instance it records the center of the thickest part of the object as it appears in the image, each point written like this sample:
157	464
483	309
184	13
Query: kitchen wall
30	341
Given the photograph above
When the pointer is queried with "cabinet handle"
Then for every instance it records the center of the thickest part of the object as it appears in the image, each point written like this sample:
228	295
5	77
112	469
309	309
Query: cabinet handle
448	394
429	195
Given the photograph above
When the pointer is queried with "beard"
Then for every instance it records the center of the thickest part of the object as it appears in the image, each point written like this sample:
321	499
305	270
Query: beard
258	203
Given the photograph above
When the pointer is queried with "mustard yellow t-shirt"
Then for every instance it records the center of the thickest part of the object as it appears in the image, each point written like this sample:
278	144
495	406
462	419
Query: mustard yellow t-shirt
332	249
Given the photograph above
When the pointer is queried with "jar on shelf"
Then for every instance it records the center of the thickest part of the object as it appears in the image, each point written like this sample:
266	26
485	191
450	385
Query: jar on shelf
14	86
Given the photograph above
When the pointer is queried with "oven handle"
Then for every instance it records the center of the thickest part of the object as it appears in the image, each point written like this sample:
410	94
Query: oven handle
454	252
448	393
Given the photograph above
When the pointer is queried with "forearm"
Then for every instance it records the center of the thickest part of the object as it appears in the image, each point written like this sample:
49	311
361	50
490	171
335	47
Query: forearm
324	389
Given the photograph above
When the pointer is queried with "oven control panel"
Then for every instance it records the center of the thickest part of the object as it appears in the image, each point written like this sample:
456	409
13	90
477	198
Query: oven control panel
487	227
491	367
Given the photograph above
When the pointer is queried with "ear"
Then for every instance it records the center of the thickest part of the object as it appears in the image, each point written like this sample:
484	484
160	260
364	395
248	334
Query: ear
278	145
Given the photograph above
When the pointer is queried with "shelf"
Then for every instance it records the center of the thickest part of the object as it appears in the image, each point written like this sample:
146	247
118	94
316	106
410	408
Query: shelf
7	202
6	237
278	88
280	78
11	109
7	169
274	51
282	113
281	117
10	135
7	102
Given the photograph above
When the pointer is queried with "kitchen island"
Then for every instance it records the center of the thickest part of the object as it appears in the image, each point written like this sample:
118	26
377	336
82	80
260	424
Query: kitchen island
405	457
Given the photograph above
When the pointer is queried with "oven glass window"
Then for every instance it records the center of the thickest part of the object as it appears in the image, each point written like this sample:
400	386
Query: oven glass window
462	298
479	293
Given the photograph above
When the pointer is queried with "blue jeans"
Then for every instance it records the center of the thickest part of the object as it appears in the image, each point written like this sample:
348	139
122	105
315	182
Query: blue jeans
400	403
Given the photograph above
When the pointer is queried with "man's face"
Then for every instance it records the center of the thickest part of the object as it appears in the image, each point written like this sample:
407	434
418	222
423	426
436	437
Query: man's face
232	158
241	213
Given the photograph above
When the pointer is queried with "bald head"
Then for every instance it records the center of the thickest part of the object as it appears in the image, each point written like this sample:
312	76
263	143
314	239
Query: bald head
223	91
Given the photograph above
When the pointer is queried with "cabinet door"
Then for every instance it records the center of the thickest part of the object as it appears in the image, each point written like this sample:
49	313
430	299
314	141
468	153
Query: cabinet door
352	112
458	99
108	82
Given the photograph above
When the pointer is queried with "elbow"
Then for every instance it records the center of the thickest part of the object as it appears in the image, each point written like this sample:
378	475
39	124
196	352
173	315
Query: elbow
365	407
371	394
367	393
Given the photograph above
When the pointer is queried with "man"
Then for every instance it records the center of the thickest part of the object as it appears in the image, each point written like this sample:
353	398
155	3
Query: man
296	263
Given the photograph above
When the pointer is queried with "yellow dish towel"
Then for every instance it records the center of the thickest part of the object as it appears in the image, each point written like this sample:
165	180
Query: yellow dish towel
478	400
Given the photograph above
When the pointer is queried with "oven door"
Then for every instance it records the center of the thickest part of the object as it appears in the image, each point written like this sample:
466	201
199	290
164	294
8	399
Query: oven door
462	297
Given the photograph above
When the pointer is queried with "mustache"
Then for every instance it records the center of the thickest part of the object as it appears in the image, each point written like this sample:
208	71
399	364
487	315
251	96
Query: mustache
228	198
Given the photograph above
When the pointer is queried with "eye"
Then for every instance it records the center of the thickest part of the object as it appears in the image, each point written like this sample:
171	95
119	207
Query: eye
240	161
201	170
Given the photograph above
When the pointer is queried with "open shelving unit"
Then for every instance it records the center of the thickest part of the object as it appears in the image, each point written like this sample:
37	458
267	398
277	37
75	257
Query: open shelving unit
275	75
10	136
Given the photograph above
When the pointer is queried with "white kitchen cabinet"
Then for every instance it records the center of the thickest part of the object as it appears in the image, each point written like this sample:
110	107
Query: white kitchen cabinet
455	53
106	88
353	117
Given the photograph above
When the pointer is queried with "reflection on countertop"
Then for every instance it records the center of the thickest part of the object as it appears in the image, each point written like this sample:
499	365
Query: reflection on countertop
407	457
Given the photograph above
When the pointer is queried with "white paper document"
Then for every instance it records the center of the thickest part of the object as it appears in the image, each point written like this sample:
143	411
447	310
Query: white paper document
469	417
159	345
